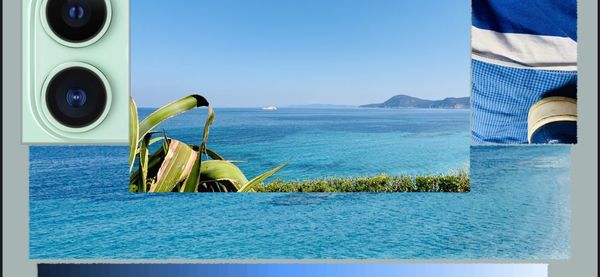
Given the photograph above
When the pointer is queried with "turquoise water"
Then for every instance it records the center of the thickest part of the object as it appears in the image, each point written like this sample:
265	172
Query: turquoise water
332	142
518	206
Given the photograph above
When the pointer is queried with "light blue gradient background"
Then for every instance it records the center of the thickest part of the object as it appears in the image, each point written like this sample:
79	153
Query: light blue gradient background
292	270
255	53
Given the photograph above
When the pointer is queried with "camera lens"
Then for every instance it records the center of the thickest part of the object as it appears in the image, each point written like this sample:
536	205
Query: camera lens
75	16
76	12
76	20
76	97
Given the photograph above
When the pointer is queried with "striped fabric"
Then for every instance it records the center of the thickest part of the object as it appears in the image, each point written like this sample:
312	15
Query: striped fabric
555	18
522	51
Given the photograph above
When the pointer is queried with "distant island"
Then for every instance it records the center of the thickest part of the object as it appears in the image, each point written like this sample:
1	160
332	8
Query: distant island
405	101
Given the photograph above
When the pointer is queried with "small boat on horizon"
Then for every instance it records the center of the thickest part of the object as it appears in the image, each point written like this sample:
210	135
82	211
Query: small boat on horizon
270	108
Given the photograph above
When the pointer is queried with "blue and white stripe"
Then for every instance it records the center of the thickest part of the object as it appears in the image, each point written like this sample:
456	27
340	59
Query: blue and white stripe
521	52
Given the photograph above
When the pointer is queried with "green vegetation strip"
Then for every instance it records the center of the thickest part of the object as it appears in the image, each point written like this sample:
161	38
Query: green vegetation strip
458	182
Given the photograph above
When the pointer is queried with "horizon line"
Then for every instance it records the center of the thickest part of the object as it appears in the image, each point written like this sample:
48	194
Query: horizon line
325	104
341	107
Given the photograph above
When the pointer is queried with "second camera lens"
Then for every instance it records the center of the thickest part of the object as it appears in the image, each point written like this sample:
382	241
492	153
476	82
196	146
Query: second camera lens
76	20
76	97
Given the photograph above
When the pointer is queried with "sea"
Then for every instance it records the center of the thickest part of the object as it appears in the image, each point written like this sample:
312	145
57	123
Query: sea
518	206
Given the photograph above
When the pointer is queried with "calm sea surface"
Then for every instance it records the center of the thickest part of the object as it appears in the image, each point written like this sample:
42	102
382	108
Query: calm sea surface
80	206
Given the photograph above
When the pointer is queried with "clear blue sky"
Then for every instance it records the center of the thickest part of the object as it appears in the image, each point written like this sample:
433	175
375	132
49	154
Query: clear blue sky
251	53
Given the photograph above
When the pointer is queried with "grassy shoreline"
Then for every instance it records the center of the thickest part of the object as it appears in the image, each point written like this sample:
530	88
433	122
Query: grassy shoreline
454	182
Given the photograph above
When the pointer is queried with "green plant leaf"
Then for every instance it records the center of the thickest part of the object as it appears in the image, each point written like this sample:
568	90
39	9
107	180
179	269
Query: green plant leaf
193	179
175	167
172	109
165	144
213	155
217	170
144	161
154	163
133	132
260	178
209	121
153	141
180	167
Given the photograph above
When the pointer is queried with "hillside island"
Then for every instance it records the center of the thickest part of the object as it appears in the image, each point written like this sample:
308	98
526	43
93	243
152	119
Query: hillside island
404	101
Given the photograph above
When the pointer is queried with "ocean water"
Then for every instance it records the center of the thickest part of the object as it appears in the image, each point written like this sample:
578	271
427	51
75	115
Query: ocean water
332	142
518	206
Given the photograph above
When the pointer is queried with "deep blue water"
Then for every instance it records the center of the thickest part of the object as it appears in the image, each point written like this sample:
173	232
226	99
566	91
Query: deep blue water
518	206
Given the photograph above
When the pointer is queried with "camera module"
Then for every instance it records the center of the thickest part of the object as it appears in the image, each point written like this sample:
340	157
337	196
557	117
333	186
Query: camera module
76	97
